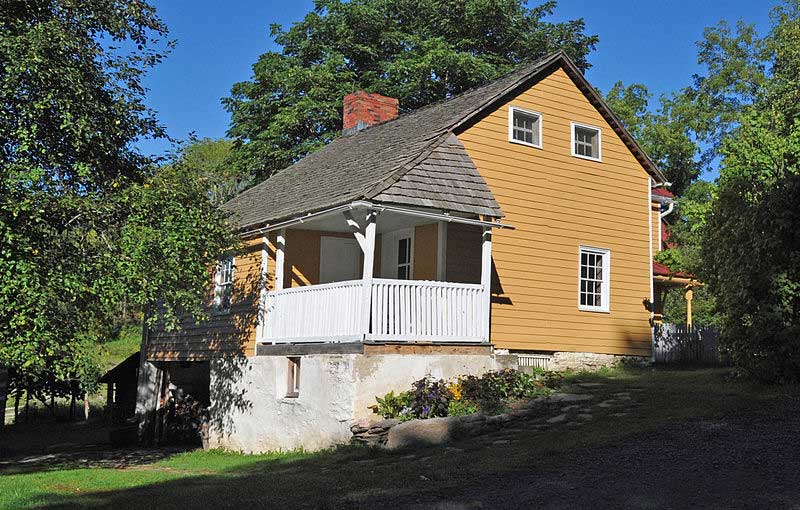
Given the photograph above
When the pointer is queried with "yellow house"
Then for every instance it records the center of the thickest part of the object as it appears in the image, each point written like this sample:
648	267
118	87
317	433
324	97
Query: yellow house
513	221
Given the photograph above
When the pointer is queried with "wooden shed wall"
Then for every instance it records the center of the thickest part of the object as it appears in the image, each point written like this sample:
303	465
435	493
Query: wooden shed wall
559	202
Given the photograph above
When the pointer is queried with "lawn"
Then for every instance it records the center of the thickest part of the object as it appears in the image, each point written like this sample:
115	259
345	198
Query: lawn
356	477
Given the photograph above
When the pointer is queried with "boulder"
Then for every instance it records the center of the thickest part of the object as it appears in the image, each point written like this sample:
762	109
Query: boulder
569	397
417	433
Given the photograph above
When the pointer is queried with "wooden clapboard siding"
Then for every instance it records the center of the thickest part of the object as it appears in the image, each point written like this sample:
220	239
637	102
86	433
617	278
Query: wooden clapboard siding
559	202
463	259
227	333
655	221
425	246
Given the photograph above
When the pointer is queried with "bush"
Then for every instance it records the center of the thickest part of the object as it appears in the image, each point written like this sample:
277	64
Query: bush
393	406
490	393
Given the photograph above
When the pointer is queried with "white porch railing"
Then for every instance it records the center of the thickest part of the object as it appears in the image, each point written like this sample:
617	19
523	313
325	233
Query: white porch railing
328	312
400	310
426	310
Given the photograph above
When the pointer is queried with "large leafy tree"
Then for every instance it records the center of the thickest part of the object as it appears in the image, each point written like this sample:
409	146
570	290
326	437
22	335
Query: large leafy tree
750	250
87	223
418	51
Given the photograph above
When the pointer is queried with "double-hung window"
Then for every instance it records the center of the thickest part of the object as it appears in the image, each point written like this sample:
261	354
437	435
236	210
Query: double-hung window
525	127
586	141
404	258
593	293
223	285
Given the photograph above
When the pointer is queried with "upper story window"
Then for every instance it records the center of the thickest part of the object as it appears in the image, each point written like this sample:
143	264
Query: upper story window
223	285
525	127
594	279
585	141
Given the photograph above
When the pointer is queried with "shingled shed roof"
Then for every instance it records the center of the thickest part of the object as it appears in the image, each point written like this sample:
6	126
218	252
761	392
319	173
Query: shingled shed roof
414	159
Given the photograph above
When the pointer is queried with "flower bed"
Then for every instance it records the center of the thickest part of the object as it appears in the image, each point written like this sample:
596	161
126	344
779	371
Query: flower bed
492	393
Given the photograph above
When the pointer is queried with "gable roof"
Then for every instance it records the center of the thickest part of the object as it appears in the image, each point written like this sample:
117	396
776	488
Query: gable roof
414	159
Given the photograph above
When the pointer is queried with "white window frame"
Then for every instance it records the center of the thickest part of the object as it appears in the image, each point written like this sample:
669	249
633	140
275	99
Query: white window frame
511	110
219	285
605	289
573	126
389	246
293	368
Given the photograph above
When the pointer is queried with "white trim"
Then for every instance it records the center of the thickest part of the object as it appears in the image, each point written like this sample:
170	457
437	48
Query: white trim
389	241
486	281
262	287
434	215
650	260
572	126
606	285
280	250
441	252
511	110
216	304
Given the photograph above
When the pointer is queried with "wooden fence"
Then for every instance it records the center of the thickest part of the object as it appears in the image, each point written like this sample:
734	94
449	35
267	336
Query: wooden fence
678	343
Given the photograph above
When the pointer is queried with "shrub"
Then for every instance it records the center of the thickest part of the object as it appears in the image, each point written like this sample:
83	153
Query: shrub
461	408
430	398
490	393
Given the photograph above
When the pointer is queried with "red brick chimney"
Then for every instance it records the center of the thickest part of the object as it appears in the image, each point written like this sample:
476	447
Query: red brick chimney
363	109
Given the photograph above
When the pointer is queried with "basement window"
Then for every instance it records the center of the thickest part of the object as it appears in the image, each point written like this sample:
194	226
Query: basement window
585	142
293	378
223	285
525	127
593	293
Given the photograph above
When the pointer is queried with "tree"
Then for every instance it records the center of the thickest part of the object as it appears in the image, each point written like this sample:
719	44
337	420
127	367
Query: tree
749	243
666	139
210	162
418	51
87	223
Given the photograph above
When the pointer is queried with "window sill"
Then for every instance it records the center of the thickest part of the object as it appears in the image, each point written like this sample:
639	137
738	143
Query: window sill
587	158
526	144
594	310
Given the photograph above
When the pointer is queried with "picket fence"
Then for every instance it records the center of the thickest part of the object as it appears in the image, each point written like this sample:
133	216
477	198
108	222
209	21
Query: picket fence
678	343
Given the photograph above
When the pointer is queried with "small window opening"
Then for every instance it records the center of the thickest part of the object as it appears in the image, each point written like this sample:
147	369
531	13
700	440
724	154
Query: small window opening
293	378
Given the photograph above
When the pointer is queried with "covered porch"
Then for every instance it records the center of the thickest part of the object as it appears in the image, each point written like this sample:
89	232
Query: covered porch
369	272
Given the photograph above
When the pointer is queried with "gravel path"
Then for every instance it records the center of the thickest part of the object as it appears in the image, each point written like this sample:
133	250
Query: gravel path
748	461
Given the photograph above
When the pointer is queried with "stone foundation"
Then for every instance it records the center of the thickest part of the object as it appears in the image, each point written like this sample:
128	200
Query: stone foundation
589	361
250	411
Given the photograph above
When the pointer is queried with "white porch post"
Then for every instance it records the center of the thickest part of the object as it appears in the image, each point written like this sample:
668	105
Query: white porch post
262	292
369	265
280	247
486	280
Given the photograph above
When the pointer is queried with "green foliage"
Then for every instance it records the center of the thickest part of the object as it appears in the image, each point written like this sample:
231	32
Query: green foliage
461	408
417	51
89	227
749	249
209	161
392	406
430	398
666	139
490	393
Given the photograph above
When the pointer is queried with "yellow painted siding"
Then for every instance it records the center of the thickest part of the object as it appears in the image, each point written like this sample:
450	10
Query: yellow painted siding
227	333
558	203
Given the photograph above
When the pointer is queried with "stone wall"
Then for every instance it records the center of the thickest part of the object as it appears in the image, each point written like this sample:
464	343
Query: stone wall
250	412
589	361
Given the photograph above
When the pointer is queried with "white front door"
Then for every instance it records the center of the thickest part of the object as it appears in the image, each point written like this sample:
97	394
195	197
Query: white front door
397	254
339	259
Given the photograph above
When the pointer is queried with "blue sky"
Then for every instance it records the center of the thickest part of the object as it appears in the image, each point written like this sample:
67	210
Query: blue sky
640	41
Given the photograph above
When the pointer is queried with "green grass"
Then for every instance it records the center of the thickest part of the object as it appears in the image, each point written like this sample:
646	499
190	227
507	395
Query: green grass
113	352
353	476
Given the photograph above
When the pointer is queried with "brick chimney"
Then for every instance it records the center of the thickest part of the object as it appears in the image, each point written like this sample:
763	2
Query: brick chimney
363	109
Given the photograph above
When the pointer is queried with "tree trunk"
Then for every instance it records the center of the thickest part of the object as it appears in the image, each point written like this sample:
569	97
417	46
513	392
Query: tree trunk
27	407
17	398
72	407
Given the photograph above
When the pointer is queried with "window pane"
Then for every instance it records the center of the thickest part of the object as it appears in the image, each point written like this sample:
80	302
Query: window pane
526	127
587	142
403	251
402	273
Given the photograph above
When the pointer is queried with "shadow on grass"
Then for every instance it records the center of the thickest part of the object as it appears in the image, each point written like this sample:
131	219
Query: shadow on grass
456	474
